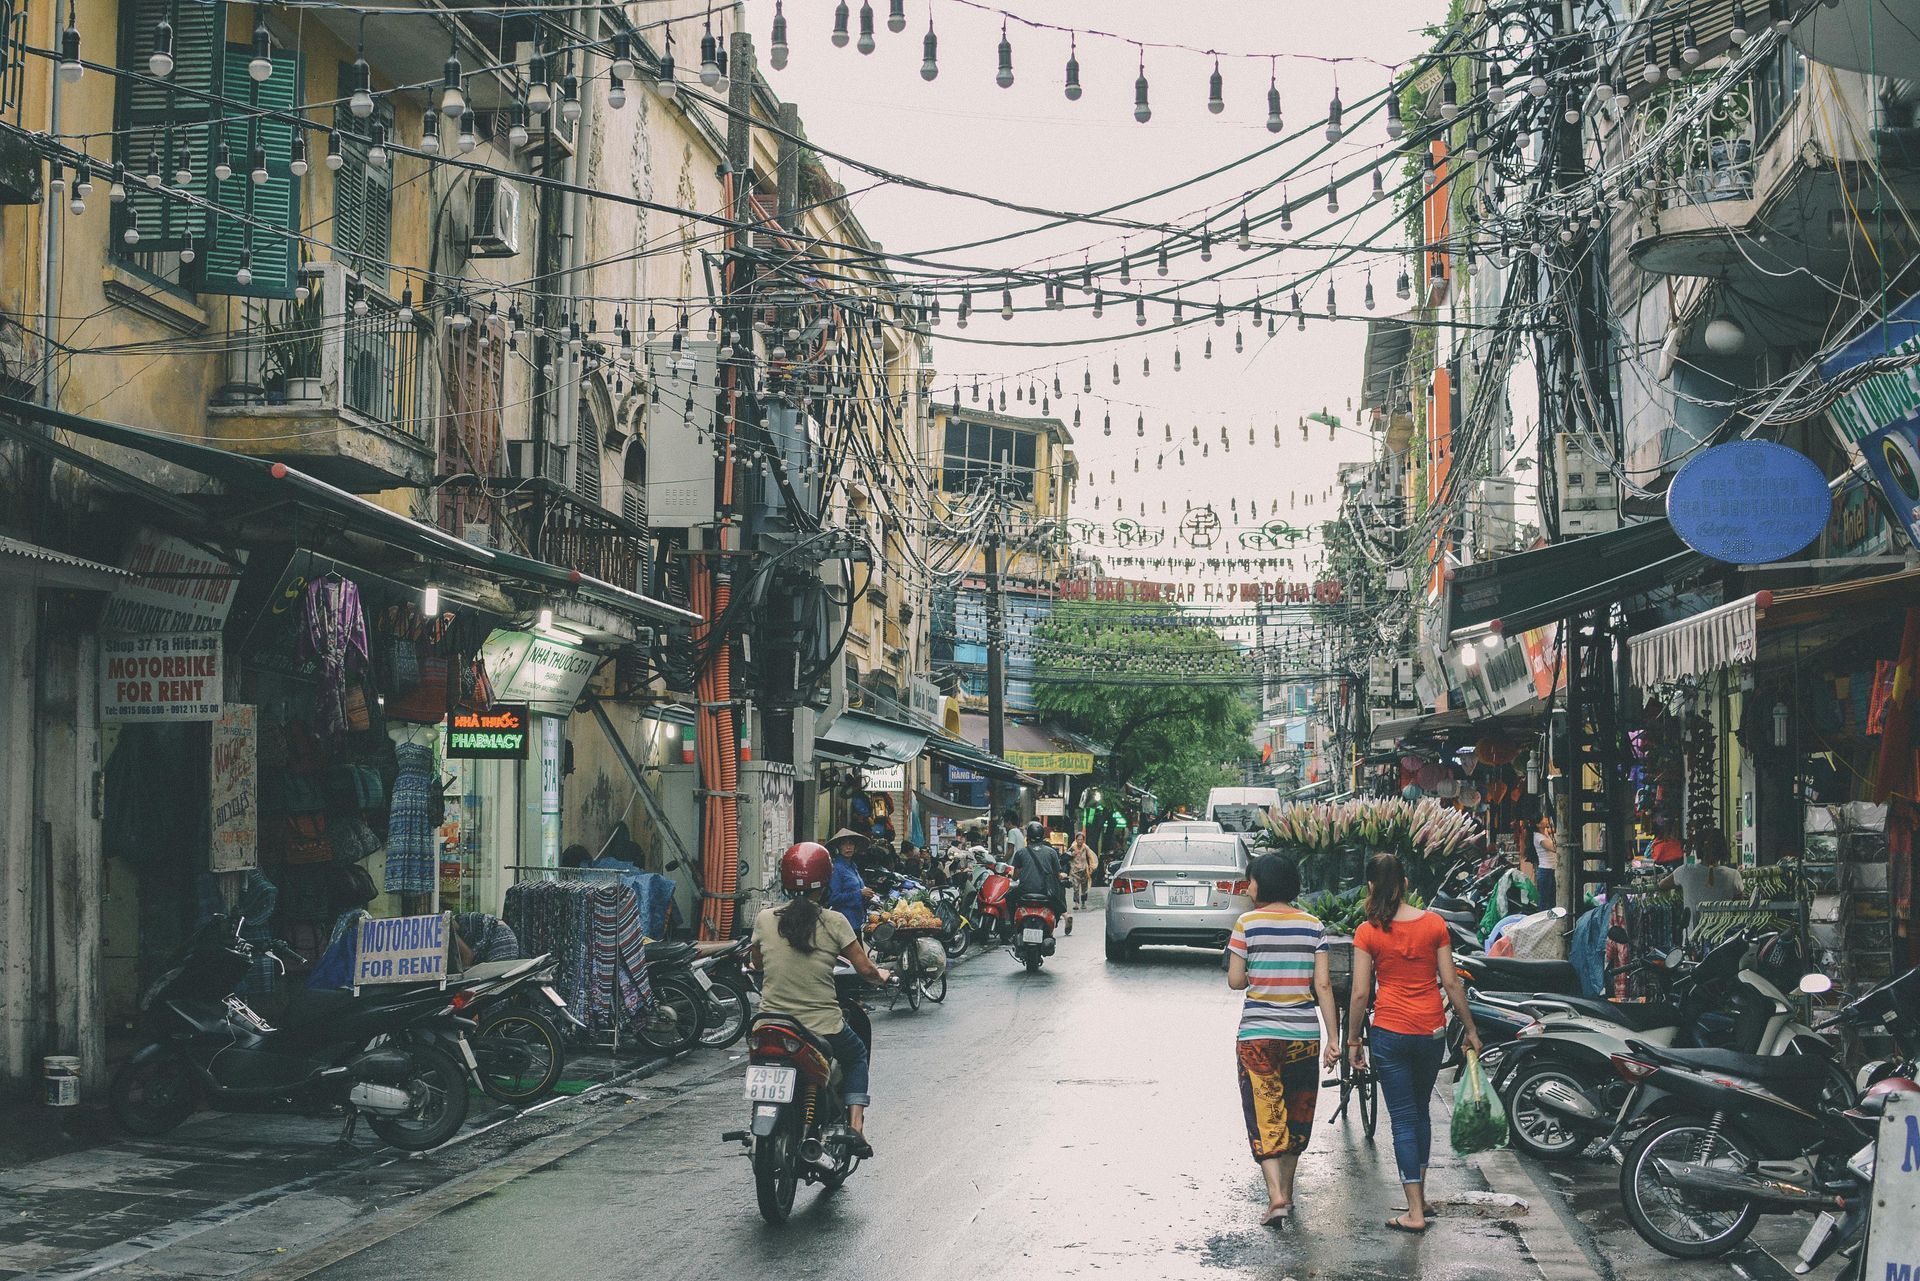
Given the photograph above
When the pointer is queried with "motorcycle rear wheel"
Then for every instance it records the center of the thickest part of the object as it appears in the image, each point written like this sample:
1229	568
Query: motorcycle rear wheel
1033	960
530	1067
1712	1229
439	1090
678	1015
153	1097
775	1179
728	1012
1537	1129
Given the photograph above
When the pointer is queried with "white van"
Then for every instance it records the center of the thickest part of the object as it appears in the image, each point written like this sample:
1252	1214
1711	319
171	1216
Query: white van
1242	809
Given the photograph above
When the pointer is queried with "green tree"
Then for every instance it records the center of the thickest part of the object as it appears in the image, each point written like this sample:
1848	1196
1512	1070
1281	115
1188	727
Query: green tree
1165	693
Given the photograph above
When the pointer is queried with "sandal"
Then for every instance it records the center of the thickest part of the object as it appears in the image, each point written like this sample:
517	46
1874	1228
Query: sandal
1394	1225
1277	1216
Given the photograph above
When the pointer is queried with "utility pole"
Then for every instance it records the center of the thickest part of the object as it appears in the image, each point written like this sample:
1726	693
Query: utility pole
996	674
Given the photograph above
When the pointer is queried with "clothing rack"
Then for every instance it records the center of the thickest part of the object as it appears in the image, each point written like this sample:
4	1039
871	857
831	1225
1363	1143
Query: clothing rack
598	939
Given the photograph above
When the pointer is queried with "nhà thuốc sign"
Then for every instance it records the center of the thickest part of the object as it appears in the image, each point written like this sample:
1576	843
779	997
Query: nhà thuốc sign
165	676
497	734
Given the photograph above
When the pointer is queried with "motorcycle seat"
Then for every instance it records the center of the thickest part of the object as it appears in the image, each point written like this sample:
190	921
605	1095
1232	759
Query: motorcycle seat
664	953
312	1005
1512	974
1784	1069
1458	918
1034	900
1638	1016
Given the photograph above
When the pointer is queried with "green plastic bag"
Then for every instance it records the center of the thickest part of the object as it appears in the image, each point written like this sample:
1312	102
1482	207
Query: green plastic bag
1479	1122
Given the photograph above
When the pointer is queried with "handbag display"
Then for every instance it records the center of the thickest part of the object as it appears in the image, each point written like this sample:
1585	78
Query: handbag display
426	702
306	839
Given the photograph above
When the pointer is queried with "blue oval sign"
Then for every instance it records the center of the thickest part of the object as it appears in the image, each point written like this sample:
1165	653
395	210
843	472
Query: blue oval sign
1749	502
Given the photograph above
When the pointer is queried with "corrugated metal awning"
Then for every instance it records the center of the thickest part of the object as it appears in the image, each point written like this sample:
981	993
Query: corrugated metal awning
1725	636
857	736
30	562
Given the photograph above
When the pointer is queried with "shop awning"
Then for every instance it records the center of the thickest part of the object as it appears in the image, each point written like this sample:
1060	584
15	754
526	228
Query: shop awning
977	759
260	476
858	738
44	567
947	809
1394	732
1516	593
1722	637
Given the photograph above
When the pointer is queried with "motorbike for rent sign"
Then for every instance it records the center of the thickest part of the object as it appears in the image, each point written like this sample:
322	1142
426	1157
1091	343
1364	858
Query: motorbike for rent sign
167	676
402	949
1893	1231
234	828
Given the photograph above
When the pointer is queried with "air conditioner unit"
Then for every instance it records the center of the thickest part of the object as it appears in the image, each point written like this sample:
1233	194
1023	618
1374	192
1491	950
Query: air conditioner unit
496	219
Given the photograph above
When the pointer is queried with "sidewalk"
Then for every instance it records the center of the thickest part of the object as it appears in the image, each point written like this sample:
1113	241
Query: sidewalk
76	1195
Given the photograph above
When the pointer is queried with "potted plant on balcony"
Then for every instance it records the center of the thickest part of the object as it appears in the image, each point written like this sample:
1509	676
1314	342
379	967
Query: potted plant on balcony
293	352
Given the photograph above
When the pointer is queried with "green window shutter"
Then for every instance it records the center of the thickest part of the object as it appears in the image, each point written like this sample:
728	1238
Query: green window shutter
170	119
362	195
263	215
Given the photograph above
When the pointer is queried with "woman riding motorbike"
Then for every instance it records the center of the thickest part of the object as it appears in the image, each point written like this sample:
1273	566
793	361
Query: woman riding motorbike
795	946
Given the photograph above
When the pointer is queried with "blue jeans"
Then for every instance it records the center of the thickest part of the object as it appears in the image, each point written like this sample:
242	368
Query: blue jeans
1543	881
1408	1066
850	1052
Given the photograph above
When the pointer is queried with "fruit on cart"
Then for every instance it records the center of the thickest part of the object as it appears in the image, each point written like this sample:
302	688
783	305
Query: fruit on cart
904	914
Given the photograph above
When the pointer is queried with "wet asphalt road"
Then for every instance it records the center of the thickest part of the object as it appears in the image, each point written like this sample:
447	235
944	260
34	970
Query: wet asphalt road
1081	1122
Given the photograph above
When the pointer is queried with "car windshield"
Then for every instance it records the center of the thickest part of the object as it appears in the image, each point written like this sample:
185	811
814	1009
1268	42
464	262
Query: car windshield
1239	818
1194	851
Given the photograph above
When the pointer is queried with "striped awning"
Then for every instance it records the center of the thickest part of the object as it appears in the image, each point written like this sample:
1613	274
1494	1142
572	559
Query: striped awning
1726	636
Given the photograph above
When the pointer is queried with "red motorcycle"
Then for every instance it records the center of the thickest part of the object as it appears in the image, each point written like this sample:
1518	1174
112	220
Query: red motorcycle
1033	930
994	920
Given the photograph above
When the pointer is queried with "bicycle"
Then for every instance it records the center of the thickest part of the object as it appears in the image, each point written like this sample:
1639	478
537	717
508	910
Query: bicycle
1362	1082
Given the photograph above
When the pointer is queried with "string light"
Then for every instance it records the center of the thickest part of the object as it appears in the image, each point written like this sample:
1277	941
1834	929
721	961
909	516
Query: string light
1143	112
70	68
1004	77
929	53
160	60
1073	69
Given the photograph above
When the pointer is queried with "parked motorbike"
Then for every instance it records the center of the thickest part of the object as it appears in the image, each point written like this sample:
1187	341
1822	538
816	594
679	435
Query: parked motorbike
1032	930
1730	1137
1517	976
1559	1085
519	1046
798	1130
205	1044
994	902
681	996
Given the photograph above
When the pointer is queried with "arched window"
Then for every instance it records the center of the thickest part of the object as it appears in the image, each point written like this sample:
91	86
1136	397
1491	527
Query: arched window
633	490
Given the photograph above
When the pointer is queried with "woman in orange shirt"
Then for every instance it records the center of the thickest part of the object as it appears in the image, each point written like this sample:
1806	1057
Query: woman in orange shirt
1402	956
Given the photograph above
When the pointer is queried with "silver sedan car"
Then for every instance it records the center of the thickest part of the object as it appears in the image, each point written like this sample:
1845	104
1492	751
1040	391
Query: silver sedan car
1177	888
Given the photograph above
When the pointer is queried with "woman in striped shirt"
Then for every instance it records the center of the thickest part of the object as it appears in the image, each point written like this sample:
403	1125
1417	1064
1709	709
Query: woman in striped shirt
1278	956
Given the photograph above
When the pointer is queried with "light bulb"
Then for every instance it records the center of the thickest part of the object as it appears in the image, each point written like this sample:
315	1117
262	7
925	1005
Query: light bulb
70	68
841	16
334	157
260	66
244	276
865	44
360	102
453	99
1334	129
160	61
1004	76
467	141
430	132
570	99
539	97
777	50
709	65
897	16
1073	90
1142	111
616	92
929	54
1274	122
430	601
258	169
517	135
131	234
1216	102
223	163
83	179
297	155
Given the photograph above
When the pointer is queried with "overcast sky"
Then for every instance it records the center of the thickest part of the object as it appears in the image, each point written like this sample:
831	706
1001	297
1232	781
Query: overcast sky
1028	144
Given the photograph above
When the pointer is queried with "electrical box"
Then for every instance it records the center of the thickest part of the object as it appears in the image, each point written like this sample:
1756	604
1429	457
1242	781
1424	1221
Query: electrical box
683	406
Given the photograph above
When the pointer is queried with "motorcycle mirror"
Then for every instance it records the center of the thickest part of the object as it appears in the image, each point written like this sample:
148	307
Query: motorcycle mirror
1618	934
1815	984
1675	959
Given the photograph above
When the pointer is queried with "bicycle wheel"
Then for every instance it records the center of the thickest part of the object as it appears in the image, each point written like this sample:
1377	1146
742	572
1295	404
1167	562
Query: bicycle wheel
934	987
1369	1088
910	974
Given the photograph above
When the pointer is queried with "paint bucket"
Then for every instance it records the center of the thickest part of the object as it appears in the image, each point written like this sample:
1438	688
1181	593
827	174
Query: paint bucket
61	1075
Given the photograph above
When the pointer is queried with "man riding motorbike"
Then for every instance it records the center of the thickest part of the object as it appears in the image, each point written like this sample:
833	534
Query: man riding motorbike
795	946
1036	871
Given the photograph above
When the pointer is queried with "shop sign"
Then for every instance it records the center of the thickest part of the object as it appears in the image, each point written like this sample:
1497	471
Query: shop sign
1051	762
1893	456
1858	526
525	668
232	786
1880	398
1893	1234
402	949
168	676
1050	807
179	587
957	774
1749	502
891	779
497	734
926	698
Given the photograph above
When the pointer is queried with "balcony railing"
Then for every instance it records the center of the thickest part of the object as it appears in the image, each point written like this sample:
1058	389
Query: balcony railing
345	347
1712	159
545	520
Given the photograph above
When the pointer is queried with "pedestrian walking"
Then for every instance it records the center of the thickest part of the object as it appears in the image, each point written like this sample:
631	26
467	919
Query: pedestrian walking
1081	862
1546	856
1402	957
1278	956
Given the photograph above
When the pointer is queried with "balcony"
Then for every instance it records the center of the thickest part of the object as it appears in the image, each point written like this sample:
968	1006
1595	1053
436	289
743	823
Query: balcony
545	520
340	394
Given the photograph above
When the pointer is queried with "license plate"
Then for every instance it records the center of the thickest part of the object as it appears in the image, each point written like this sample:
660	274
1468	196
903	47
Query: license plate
1180	896
767	1084
1032	935
706	984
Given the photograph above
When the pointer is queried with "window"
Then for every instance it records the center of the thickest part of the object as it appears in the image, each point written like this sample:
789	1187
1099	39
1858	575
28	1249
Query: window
165	129
362	194
1177	850
978	452
470	430
1776	82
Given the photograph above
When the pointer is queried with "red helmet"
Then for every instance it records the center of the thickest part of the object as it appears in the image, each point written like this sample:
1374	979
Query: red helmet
806	866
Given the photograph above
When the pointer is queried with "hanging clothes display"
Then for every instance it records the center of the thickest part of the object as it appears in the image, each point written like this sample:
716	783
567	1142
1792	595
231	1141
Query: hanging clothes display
333	631
411	827
595	933
1652	924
